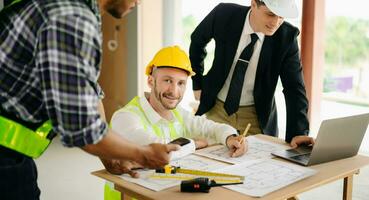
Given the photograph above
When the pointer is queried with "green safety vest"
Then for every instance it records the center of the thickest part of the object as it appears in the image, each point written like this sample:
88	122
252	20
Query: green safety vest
22	139
135	107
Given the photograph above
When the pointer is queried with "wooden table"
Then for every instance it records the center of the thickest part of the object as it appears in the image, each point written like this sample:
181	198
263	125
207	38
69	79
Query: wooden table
326	173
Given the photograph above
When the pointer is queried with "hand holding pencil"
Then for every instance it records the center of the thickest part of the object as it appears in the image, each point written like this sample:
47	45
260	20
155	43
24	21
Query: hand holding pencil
238	144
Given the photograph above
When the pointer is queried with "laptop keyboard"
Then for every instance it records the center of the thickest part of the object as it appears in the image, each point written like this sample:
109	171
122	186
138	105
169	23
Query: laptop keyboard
299	151
303	158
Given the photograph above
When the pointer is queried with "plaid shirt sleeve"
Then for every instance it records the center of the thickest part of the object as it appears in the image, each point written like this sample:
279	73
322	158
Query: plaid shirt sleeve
68	58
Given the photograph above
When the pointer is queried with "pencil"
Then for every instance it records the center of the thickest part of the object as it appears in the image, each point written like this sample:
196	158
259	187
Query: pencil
245	133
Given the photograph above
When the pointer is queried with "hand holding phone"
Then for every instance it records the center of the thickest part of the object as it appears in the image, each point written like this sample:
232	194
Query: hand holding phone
180	141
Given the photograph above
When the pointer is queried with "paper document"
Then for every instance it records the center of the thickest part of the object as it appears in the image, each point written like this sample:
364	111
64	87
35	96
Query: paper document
152	184
257	149
265	176
188	162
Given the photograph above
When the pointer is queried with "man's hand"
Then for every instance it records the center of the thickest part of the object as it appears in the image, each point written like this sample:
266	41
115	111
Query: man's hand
301	139
236	146
200	143
119	167
151	156
197	94
156	155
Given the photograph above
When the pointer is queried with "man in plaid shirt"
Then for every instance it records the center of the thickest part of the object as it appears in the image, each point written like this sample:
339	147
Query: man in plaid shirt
50	55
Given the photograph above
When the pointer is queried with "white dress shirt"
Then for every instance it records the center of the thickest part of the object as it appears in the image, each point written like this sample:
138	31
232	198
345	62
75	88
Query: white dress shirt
247	97
129	126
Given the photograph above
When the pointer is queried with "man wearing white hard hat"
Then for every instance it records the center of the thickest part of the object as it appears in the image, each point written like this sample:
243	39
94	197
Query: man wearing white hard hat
254	47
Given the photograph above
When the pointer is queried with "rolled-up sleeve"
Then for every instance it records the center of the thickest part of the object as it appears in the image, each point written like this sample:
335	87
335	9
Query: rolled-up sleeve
68	60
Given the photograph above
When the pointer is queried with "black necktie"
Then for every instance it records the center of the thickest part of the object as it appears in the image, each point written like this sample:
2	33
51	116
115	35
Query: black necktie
232	101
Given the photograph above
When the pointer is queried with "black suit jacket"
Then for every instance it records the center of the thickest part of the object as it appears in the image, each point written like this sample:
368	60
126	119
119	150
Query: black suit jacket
279	57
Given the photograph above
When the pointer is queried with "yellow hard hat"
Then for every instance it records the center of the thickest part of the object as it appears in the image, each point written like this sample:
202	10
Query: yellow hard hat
171	56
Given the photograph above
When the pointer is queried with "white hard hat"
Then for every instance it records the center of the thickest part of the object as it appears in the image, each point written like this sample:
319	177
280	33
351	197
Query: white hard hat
283	8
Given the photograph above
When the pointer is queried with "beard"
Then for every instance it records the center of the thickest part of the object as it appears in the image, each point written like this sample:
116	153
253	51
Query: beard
113	8
159	96
115	13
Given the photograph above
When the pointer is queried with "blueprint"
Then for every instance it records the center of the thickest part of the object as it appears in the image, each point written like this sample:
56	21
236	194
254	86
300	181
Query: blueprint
188	162
257	149
265	176
262	174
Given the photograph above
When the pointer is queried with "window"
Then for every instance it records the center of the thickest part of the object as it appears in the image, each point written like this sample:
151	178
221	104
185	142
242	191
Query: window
346	70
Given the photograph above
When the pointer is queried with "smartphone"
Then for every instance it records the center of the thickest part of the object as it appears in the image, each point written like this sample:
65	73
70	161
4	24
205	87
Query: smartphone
180	141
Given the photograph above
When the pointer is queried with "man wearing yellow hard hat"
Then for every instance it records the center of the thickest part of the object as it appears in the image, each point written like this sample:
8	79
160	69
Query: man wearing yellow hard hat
156	116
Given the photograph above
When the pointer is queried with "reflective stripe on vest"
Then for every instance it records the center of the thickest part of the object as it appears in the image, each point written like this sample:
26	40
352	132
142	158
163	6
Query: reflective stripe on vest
134	107
23	140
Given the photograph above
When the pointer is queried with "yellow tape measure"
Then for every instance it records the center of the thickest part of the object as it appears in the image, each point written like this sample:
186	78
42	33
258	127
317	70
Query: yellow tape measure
177	173
217	179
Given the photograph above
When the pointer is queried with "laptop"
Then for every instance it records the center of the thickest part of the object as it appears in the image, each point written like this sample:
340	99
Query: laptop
337	138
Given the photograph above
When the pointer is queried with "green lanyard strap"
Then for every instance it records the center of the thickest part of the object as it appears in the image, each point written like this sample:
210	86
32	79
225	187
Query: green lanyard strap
23	140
